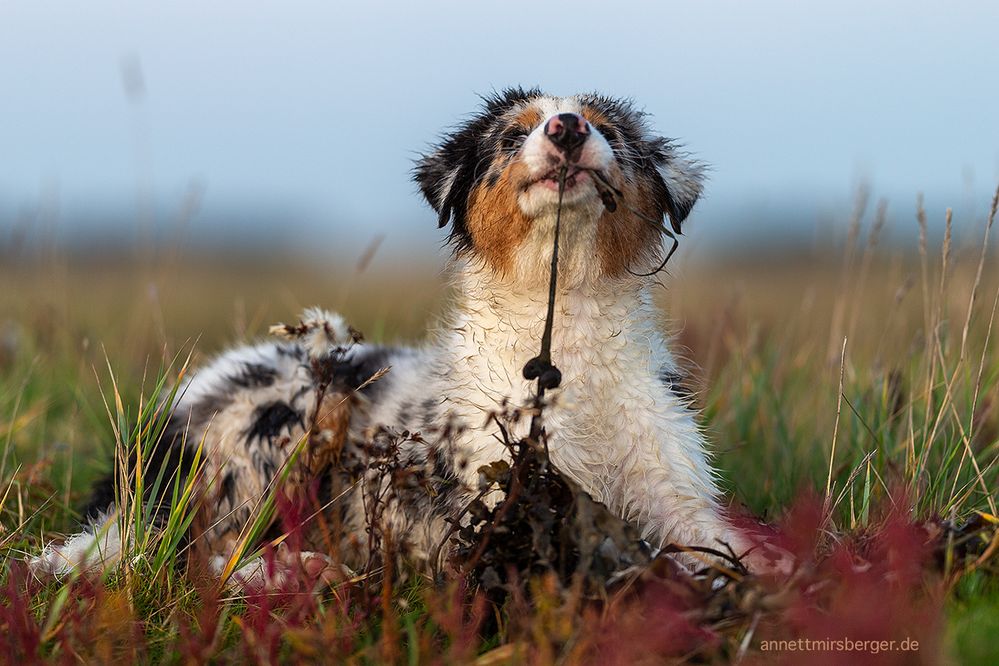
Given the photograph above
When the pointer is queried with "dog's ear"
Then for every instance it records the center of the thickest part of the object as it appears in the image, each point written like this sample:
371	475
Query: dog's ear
682	180
448	174
437	176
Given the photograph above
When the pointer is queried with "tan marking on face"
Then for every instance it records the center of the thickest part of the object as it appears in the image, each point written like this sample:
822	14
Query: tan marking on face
529	118
594	116
624	240
495	221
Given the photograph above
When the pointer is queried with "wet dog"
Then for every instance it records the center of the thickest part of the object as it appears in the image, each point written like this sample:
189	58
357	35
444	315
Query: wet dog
619	424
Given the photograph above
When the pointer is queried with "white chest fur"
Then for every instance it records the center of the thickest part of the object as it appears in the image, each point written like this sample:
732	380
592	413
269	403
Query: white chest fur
613	426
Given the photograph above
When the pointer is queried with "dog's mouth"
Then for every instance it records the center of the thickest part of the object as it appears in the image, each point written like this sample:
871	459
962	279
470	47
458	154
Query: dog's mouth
574	177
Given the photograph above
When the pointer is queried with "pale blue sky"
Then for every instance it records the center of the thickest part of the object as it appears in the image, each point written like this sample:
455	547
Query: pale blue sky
303	117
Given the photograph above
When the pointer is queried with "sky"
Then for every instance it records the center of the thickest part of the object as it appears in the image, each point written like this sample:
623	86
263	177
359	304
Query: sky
298	121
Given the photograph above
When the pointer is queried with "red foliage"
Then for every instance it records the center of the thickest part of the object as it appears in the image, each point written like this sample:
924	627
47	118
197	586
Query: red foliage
655	626
872	598
17	622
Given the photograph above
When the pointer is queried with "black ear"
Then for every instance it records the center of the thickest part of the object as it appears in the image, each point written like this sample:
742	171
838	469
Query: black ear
448	174
437	175
683	179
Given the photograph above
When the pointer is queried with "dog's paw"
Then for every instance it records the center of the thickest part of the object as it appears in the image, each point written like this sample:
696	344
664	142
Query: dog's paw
52	562
766	558
96	549
284	572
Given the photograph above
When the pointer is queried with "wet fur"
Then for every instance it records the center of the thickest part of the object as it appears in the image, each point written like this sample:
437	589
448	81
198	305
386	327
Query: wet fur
619	424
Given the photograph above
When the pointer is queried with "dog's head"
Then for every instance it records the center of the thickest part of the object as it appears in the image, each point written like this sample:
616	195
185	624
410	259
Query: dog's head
495	180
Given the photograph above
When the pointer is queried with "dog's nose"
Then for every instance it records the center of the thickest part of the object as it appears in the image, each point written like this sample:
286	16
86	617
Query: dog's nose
568	131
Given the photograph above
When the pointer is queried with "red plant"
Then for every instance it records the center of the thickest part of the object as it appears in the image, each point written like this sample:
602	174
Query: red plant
872	599
17	622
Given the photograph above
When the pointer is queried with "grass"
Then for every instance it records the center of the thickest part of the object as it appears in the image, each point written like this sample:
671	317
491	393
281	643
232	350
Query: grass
851	391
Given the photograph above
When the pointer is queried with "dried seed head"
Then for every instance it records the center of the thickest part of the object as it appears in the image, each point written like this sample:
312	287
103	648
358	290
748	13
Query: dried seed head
321	332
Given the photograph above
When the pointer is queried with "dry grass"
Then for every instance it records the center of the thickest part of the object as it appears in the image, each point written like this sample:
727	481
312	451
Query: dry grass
864	376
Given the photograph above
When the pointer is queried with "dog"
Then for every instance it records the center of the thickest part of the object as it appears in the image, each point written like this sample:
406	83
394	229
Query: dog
620	424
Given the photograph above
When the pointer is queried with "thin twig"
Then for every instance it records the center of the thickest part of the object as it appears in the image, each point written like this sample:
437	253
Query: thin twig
839	410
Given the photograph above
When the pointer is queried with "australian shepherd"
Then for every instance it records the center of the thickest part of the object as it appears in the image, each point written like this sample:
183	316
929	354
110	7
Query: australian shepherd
619	424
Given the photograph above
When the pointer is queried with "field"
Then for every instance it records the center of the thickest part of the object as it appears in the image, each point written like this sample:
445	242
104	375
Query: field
851	392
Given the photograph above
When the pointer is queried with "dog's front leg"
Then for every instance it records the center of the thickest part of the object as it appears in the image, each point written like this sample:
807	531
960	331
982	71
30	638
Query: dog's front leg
684	511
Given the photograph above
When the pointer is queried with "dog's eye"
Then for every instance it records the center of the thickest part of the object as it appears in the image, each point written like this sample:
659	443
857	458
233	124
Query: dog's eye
512	138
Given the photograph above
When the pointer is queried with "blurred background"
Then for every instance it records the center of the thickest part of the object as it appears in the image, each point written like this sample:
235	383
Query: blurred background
178	176
189	171
292	125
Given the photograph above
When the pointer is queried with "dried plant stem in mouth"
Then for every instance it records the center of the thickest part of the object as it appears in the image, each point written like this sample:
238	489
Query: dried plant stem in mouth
606	190
540	367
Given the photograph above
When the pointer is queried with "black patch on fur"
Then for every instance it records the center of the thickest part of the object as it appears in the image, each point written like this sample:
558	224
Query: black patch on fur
203	411
102	497
429	411
264	464
405	413
445	482
361	367
270	419
676	383
305	390
227	488
291	351
241	516
255	375
676	204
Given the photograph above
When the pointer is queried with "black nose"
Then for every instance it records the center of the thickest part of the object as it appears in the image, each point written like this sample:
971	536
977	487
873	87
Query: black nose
568	131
